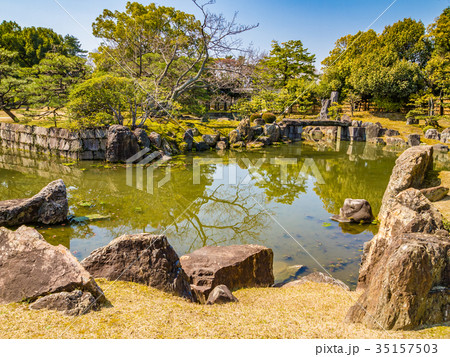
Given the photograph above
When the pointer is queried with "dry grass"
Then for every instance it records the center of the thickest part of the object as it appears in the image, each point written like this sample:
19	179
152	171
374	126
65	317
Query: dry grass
308	311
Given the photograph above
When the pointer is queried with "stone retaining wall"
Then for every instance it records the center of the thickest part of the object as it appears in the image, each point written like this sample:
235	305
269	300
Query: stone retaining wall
88	144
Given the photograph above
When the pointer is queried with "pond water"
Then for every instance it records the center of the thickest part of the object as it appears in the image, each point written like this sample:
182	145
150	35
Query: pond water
280	197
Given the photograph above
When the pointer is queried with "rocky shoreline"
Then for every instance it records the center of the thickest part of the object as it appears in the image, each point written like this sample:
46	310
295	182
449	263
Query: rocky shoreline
404	275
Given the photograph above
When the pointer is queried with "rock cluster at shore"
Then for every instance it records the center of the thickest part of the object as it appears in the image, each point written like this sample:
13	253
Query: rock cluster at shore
405	269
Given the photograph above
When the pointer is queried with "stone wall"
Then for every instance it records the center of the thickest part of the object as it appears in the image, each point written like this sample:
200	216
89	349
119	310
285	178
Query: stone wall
89	144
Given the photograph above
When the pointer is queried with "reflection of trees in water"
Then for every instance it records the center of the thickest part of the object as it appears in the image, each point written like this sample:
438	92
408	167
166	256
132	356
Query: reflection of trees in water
225	215
362	178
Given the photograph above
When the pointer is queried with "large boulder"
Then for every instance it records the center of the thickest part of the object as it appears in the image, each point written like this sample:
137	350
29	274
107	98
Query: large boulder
236	266
355	211
31	268
409	171
409	212
121	145
140	258
49	206
409	285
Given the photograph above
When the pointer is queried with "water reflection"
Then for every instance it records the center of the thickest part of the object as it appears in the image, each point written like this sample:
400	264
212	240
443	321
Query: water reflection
217	212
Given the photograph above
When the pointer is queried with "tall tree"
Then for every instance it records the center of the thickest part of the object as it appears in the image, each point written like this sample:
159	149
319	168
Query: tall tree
53	78
13	83
286	61
166	50
438	68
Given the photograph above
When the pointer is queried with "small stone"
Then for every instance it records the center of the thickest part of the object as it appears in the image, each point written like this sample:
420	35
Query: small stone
221	295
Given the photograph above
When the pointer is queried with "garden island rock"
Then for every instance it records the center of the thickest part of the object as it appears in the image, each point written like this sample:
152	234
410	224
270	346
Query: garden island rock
49	206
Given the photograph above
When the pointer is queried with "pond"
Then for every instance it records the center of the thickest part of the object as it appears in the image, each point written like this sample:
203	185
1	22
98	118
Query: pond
280	197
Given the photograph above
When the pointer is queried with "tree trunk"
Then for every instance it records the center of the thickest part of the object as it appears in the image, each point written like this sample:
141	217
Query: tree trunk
11	115
441	104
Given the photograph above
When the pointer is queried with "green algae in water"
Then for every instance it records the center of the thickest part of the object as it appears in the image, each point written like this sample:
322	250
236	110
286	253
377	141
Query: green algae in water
218	210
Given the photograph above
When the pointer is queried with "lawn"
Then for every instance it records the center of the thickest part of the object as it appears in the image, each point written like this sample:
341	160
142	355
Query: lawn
308	311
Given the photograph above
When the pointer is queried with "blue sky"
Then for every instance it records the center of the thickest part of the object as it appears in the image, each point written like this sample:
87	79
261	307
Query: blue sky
317	23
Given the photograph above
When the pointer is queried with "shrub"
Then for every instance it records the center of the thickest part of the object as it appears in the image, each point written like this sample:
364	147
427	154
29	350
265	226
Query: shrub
428	127
269	118
255	116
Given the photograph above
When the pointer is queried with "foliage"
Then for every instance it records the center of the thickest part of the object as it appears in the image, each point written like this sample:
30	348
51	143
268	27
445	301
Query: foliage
103	100
33	43
55	76
286	61
170	50
269	117
255	116
13	83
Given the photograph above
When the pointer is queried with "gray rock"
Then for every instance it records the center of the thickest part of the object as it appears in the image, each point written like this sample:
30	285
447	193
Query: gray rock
140	258
257	131
244	130
235	136
155	139
408	212
355	211
188	138
395	142
49	206
31	268
413	139
432	134
435	193
211	140
372	130
272	131
202	146
391	132
142	137
357	133
221	295
259	122
73	303
445	136
440	148
317	277
122	144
